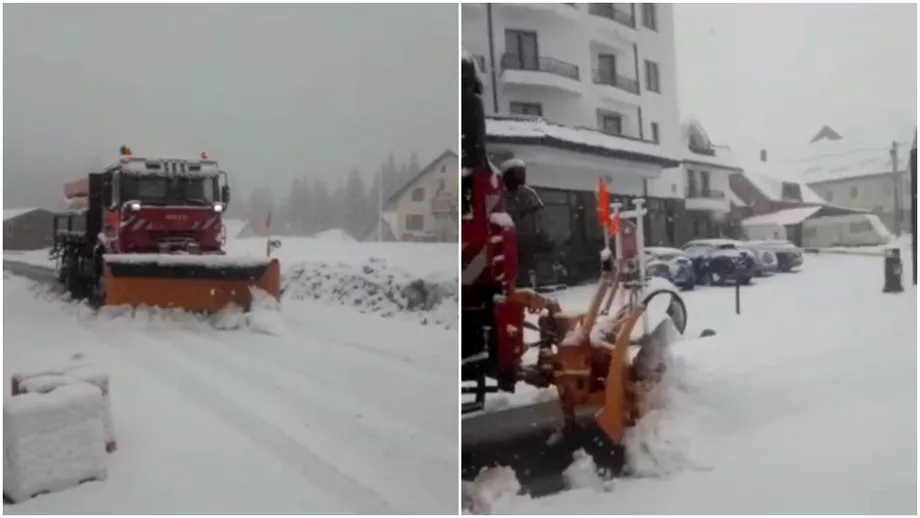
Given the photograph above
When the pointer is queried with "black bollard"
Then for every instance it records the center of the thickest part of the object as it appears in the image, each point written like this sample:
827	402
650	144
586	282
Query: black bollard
737	298
893	271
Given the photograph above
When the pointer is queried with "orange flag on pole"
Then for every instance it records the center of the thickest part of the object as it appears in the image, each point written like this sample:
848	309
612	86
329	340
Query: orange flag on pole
603	204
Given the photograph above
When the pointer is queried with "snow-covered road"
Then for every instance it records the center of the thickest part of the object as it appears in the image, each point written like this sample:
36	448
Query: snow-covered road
805	403
316	409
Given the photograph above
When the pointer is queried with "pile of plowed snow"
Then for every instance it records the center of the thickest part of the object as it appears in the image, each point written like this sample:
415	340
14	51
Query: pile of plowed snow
375	287
333	234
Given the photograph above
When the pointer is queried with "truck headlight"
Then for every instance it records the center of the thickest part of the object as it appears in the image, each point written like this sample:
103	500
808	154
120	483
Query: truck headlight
218	207
135	206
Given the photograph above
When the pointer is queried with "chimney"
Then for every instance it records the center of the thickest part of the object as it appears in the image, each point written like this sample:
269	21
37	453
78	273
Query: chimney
763	155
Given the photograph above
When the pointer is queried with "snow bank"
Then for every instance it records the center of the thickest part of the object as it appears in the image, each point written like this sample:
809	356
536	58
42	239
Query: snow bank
490	486
334	234
52	441
374	287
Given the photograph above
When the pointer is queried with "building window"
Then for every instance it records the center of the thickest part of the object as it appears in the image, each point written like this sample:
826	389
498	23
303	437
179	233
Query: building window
607	69
704	183
652	79
443	169
650	16
860	226
519	108
415	222
418	194
854	192
442	184
523	49
612	123
691	183
655	135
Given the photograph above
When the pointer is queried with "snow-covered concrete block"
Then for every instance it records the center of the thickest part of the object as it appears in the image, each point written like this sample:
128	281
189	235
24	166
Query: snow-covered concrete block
45	380
52	441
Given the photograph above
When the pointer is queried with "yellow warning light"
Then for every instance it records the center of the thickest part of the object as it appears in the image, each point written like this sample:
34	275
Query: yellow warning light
125	151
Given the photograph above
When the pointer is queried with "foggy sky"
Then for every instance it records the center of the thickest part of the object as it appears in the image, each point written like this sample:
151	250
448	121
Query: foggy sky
270	91
770	75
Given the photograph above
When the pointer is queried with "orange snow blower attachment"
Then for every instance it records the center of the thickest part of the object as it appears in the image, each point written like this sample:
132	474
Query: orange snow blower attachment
194	283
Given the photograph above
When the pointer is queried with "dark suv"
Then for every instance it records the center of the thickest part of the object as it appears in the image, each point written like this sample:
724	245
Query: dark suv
716	261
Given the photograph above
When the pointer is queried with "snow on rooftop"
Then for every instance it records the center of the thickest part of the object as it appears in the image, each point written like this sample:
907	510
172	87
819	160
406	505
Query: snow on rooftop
851	156
771	185
12	213
735	200
782	217
535	127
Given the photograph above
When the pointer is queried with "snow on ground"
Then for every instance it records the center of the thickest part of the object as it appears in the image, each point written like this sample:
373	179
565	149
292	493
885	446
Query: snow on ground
333	234
805	403
33	257
313	408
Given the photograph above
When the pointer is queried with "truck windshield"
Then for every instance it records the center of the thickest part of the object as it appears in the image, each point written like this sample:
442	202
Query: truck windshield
159	190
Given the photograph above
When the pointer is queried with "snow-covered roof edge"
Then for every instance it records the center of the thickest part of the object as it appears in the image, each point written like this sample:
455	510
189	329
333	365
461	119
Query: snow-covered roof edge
782	217
13	213
535	130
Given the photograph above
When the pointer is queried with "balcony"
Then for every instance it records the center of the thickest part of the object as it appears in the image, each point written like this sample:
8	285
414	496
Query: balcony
541	71
708	200
623	83
566	11
611	12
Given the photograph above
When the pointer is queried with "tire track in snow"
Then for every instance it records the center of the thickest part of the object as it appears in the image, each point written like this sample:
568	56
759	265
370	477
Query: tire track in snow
416	367
269	436
389	426
326	378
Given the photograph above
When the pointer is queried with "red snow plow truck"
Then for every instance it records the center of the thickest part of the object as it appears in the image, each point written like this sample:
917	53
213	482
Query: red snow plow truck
149	232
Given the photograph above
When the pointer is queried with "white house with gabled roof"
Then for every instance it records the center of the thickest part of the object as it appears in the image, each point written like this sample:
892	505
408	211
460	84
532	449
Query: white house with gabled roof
857	171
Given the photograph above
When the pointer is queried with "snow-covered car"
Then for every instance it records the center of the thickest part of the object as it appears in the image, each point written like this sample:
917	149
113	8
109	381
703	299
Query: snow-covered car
679	266
716	261
765	261
788	256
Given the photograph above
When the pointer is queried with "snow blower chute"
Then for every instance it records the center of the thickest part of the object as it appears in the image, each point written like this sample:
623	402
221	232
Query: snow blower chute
149	232
604	364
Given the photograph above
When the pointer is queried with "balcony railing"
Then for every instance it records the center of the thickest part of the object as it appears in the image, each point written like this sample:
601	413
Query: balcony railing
540	64
616	81
705	194
612	13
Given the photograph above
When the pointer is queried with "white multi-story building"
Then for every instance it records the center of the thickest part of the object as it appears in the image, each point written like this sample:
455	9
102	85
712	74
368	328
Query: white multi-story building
603	79
605	66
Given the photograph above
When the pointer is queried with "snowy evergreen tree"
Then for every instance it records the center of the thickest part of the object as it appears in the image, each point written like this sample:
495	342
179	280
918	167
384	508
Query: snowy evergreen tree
356	204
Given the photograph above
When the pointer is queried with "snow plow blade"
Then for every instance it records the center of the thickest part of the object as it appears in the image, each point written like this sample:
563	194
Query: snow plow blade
198	284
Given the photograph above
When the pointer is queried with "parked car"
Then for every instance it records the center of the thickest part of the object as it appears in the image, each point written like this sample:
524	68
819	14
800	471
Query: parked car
716	261
678	266
788	256
765	261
